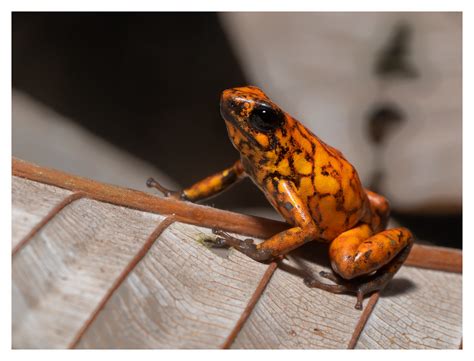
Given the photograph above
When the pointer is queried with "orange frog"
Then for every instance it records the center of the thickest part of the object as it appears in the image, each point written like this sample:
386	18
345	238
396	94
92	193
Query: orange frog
313	187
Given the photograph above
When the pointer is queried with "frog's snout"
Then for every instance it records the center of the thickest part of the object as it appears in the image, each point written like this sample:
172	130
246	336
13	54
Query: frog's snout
228	98
228	104
237	103
225	95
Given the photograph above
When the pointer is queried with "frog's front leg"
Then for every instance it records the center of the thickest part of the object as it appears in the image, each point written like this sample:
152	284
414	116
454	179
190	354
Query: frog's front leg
285	198
358	252
205	188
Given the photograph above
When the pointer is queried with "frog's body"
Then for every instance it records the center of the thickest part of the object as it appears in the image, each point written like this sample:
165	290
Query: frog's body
325	181
312	186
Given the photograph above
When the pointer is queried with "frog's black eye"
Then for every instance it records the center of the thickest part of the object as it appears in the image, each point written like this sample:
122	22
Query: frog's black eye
265	118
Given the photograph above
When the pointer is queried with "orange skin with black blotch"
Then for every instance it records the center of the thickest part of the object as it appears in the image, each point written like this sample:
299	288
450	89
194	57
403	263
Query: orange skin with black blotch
310	183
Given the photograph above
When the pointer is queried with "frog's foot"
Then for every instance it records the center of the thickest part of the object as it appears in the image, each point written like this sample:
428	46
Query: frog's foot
152	183
212	242
341	286
247	246
360	287
315	283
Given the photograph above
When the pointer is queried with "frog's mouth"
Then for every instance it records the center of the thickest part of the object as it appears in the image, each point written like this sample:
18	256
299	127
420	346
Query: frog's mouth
245	134
229	118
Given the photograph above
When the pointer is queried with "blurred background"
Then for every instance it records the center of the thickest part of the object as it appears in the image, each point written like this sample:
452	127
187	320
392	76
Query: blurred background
119	97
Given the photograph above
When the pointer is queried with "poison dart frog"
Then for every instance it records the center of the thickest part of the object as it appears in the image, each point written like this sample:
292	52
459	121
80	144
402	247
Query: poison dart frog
316	190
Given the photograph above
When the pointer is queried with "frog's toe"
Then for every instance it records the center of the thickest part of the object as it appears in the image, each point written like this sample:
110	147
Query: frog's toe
249	241
313	282
360	299
246	246
330	276
152	183
228	239
310	282
219	243
220	232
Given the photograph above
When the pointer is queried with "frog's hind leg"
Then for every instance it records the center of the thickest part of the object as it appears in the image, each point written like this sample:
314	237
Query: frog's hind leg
358	252
379	211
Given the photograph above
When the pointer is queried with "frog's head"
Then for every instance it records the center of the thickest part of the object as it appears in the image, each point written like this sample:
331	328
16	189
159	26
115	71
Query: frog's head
251	118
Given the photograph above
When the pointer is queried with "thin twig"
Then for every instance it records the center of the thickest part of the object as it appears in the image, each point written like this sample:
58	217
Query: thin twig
250	306
363	320
69	199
